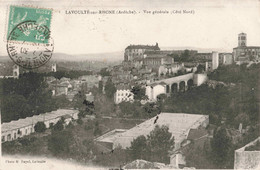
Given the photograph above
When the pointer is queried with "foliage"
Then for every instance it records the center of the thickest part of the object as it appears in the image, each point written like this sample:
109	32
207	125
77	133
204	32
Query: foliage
59	126
100	86
59	142
61	101
103	72
155	147
80	121
185	56
25	97
255	147
200	100
40	127
221	146
139	92
72	74
139	148
199	157
200	69
97	130
110	89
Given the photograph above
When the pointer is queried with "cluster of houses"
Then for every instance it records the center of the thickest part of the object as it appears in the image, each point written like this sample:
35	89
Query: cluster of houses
70	87
156	71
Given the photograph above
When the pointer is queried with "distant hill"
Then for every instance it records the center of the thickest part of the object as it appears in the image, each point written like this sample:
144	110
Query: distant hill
200	50
103	57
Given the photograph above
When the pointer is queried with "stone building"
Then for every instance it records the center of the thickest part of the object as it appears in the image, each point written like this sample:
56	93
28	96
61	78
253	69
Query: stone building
137	51
123	93
244	53
23	127
225	58
246	158
179	125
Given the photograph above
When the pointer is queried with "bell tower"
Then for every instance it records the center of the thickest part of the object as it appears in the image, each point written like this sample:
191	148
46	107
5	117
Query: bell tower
242	40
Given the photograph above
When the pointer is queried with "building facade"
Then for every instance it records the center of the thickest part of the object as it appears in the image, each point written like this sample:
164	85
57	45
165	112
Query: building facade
123	93
215	60
244	53
137	51
23	127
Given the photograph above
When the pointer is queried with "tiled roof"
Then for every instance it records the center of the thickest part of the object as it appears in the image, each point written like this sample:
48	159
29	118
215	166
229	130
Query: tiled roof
123	87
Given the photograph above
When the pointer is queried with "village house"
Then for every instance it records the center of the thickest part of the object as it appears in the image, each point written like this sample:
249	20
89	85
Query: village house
123	93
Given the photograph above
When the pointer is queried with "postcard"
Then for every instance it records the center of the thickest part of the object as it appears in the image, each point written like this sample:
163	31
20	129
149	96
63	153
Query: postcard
130	84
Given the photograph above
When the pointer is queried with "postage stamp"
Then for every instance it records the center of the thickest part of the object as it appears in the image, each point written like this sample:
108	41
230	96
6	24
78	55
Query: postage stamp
29	33
29	44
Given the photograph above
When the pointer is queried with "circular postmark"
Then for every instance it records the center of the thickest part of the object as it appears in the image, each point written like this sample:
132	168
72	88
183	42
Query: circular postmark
29	45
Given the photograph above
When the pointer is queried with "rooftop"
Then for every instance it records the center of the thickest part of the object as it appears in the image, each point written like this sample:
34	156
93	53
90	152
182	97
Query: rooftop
15	124
179	125
151	47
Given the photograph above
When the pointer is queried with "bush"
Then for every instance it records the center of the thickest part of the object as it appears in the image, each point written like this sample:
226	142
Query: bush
39	127
59	126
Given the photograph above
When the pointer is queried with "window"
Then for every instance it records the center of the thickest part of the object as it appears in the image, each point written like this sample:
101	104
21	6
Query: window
14	135
25	131
3	138
9	137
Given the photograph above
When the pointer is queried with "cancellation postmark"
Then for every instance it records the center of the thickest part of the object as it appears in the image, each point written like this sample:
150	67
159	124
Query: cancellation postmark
29	44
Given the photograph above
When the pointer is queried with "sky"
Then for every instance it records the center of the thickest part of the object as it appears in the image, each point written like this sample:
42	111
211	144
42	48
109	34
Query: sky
214	24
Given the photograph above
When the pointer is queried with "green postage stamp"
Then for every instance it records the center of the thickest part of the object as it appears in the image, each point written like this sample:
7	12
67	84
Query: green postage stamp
29	43
29	24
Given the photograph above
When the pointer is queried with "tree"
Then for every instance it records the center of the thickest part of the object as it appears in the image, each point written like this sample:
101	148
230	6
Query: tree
200	69
139	148
40	127
103	72
14	107
100	86
185	55
97	130
155	147
161	142
139	92
110	89
221	146
59	126
26	96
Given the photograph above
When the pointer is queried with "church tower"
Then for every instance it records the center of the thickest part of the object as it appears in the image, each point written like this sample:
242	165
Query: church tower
16	71
242	40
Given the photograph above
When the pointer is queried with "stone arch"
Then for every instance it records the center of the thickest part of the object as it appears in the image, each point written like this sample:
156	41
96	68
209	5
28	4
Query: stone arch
174	88
190	84
182	86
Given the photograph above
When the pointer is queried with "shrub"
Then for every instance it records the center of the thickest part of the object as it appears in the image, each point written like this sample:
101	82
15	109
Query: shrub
39	127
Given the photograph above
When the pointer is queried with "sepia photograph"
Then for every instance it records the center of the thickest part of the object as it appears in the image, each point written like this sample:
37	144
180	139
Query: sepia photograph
130	84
